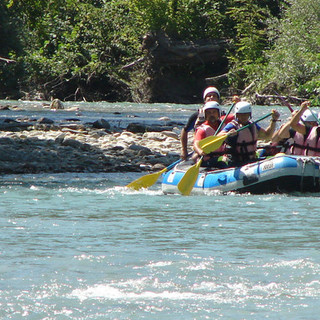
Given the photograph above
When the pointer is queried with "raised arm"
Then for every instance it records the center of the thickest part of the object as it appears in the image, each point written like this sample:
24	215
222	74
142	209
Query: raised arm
266	134
294	123
284	130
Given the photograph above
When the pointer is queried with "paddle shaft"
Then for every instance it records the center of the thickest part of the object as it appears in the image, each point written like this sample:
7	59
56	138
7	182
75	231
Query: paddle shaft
290	108
315	117
216	142
224	119
254	122
174	163
208	139
285	102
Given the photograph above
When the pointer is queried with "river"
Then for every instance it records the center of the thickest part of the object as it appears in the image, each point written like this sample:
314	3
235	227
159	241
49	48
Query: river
81	246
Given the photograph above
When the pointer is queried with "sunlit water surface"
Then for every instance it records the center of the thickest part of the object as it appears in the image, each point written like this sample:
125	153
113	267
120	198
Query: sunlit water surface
81	246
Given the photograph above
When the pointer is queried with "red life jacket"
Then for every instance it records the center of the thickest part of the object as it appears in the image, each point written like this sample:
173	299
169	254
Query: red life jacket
245	146
209	131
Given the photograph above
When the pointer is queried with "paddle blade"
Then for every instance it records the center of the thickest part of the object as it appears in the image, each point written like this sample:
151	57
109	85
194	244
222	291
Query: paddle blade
188	180
214	144
145	181
206	140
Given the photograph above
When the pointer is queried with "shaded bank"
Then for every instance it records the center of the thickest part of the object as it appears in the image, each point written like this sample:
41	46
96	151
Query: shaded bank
168	71
177	71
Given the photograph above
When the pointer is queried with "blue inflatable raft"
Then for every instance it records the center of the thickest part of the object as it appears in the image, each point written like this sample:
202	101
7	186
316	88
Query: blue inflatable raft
278	174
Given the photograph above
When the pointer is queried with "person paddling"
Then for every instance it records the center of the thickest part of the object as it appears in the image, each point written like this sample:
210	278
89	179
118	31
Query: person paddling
243	144
307	136
289	141
212	111
196	119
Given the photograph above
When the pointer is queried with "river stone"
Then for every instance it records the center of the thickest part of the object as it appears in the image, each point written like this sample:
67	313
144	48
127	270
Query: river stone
45	120
56	104
136	128
171	134
101	124
140	148
156	136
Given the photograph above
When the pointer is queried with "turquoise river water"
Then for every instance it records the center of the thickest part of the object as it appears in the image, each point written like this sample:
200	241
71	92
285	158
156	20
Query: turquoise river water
81	246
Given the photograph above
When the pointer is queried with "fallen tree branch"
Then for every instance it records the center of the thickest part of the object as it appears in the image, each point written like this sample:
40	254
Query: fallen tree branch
7	60
132	64
248	87
278	97
217	78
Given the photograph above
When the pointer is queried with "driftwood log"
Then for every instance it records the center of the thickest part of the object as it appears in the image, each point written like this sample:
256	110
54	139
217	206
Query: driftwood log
268	99
174	52
171	70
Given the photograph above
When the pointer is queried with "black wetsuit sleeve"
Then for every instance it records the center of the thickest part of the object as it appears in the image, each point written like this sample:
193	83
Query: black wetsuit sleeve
191	122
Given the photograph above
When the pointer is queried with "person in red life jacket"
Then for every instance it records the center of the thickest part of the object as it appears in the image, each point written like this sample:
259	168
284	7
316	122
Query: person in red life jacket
197	118
307	136
243	144
212	111
285	137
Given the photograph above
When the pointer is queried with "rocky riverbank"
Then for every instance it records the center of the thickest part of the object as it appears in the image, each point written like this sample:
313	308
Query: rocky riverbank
41	146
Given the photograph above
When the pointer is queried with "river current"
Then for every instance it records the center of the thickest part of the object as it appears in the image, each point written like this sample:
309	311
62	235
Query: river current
81	246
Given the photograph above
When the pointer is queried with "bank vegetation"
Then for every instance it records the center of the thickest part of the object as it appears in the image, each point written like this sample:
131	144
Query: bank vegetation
159	50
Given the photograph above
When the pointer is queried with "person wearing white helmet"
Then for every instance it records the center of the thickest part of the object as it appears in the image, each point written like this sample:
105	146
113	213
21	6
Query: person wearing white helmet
209	94
243	144
212	112
307	132
287	139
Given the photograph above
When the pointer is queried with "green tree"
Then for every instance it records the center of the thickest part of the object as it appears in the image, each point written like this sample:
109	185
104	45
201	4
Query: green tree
251	39
68	45
294	61
10	48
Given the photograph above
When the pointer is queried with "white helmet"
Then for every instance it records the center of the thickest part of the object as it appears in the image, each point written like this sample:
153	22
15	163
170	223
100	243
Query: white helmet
243	107
211	90
308	115
212	105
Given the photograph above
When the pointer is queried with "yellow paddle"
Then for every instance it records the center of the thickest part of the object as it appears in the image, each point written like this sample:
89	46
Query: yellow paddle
187	182
213	143
146	181
209	139
150	179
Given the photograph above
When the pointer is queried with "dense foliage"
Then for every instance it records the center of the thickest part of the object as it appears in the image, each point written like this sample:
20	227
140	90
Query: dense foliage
293	63
68	47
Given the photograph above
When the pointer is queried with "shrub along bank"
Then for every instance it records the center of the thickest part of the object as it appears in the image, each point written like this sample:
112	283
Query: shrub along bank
158	50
